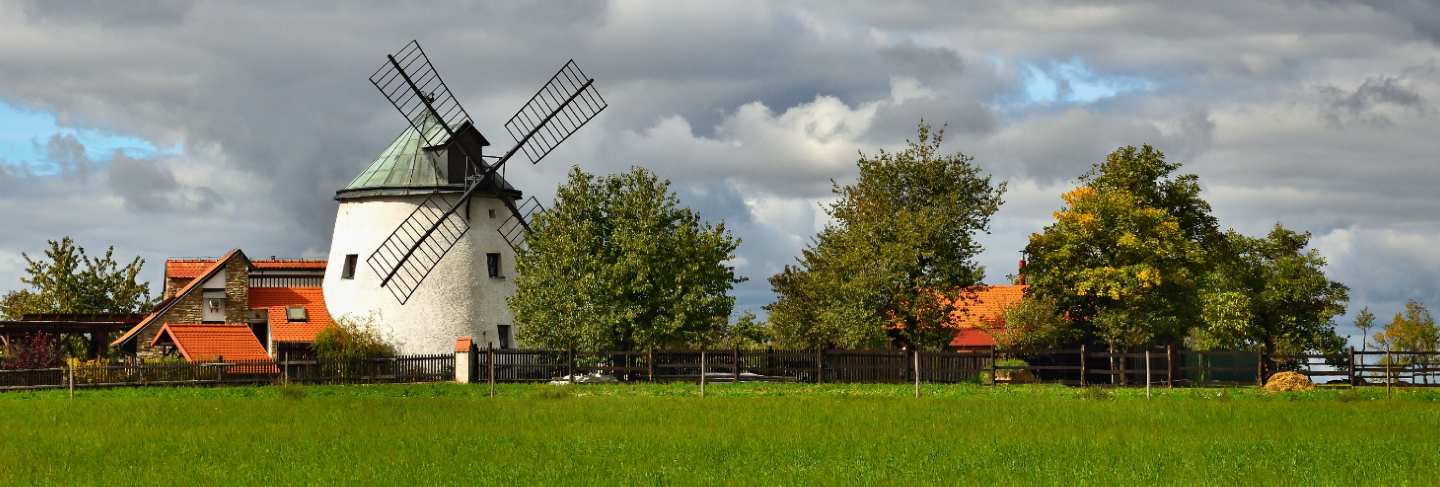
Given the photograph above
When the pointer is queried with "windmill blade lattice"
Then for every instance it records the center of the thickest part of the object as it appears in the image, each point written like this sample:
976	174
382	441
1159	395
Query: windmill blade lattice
414	87
415	247
566	103
515	228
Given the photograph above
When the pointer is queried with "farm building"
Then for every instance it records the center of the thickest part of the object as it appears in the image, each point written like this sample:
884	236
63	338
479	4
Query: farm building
232	307
979	312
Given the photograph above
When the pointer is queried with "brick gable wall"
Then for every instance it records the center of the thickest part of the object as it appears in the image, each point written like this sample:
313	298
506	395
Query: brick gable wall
191	309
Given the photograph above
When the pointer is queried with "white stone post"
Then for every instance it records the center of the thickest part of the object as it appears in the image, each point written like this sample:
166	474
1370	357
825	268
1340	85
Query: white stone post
464	357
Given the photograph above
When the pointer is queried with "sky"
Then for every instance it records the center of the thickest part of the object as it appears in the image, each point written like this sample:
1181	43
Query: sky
171	128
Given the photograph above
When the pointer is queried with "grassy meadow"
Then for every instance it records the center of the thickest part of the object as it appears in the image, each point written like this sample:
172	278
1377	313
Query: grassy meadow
738	434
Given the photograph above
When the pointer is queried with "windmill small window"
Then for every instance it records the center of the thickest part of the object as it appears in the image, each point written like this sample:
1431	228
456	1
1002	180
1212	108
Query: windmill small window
296	313
348	272
492	263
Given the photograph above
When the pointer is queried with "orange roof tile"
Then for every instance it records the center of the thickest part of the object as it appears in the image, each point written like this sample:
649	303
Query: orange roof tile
192	268
275	299
981	308
186	268
207	342
972	337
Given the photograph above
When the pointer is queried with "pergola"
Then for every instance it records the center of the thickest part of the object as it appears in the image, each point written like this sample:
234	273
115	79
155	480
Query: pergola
98	326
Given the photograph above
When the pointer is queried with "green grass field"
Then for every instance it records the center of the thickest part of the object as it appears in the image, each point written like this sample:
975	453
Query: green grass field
739	434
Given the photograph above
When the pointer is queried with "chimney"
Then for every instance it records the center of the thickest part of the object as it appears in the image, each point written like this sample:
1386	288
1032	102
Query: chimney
1021	272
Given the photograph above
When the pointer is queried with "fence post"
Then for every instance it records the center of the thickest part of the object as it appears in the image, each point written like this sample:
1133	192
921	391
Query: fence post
650	364
702	372
735	362
992	367
71	382
819	356
917	372
1147	372
1260	367
1169	366
1388	377
1352	366
570	365
1082	365
490	366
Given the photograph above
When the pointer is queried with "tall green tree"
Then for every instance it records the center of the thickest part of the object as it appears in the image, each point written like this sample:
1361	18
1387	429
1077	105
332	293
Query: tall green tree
67	280
618	263
903	237
1271	292
1123	258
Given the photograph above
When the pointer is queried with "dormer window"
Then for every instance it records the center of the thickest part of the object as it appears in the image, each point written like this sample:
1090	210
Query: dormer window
296	313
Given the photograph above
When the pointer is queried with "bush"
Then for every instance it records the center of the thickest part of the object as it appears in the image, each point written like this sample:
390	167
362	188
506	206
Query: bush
352	338
34	351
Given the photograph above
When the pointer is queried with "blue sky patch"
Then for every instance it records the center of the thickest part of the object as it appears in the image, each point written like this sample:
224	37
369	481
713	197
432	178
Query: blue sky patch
1074	82
23	134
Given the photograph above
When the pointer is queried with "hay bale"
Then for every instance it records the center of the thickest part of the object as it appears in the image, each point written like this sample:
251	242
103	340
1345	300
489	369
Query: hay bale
1289	381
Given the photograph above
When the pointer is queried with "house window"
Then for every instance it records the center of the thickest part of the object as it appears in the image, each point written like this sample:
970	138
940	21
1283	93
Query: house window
213	303
348	272
492	262
296	313
504	333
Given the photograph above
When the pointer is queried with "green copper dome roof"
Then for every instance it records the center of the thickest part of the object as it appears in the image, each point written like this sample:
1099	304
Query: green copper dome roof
405	167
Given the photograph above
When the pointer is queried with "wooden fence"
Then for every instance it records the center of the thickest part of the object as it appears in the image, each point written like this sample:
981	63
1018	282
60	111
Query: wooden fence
848	366
406	368
1077	367
1080	367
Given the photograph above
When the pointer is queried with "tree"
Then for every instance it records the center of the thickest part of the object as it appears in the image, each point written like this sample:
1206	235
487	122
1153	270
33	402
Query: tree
1034	324
902	237
619	264
747	332
1364	321
66	280
1123	256
1272	292
1411	330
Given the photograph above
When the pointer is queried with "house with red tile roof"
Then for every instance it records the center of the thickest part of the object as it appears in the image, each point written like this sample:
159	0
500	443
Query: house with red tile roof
207	302
979	312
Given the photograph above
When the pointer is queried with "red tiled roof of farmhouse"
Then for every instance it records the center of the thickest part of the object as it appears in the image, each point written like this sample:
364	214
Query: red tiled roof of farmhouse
982	307
275	300
192	268
205	342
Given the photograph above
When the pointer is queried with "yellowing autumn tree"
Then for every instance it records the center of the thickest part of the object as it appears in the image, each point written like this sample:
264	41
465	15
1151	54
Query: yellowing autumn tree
1121	259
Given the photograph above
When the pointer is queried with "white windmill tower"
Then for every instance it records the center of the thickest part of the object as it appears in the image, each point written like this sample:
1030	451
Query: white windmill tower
409	215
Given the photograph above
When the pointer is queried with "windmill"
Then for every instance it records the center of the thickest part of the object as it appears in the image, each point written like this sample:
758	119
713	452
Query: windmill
410	82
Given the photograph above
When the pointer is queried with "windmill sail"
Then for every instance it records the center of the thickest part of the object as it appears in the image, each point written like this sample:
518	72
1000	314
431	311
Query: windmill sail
408	80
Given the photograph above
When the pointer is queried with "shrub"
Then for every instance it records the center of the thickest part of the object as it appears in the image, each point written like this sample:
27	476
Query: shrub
352	337
34	351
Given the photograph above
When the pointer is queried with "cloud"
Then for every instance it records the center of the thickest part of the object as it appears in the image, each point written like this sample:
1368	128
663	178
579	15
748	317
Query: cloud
1316	114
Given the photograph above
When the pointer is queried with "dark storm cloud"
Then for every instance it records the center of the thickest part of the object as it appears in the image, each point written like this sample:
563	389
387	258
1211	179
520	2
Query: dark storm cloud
1317	114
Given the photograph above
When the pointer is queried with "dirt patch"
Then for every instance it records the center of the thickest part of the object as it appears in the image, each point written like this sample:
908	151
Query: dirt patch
1288	382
